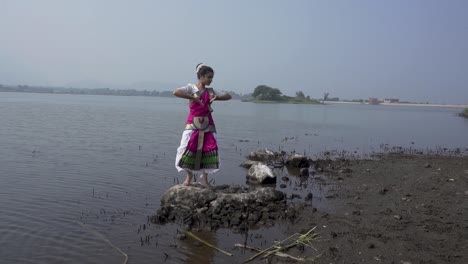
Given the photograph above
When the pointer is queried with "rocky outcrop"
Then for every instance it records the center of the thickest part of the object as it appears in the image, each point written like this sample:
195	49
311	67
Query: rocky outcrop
236	207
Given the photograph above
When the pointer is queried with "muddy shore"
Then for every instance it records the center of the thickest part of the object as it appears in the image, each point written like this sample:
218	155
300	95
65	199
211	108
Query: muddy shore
397	208
393	208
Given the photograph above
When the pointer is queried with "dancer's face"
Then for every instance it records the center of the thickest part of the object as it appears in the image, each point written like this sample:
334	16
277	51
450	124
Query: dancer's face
207	78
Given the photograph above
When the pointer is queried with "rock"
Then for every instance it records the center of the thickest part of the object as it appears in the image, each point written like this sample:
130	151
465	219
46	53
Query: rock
260	173
248	163
371	245
285	179
298	161
397	217
188	196
427	165
282	186
264	155
236	207
309	197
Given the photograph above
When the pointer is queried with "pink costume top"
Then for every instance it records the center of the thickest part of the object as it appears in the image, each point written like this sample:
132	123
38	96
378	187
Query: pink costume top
199	117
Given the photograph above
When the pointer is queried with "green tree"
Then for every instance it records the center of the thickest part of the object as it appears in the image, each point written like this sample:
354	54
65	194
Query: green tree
300	95
263	92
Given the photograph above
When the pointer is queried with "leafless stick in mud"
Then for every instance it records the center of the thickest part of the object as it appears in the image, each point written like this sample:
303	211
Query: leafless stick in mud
299	239
279	254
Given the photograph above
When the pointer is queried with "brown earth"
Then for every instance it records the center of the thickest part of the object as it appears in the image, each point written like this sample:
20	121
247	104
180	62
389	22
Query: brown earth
397	208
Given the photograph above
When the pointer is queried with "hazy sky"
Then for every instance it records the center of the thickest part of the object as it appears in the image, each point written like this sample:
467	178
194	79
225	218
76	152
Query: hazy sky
412	50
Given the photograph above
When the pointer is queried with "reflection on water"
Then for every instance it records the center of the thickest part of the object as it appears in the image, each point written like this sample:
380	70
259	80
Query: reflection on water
105	161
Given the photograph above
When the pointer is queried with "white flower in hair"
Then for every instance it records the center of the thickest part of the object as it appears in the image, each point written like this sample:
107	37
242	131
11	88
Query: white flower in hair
200	66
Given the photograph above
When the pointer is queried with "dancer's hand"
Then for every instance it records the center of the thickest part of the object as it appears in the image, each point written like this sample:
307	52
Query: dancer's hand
196	99
213	98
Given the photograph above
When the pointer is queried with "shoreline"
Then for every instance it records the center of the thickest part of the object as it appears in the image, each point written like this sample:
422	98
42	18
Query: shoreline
402	104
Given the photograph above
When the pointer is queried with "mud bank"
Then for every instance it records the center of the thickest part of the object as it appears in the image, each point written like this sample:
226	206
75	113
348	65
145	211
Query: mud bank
395	208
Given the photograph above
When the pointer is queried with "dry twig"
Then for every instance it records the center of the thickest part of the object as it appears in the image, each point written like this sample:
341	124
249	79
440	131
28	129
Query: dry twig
297	239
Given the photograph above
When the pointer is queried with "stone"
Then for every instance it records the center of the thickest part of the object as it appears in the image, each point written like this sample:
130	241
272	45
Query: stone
263	155
188	196
260	173
237	207
298	161
248	163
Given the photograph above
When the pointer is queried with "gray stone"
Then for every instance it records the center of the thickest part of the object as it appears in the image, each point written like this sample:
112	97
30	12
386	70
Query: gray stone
260	173
298	161
248	163
188	196
264	155
213	207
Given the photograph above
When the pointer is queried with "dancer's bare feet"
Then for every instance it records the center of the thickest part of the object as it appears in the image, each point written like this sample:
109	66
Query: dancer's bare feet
188	179
204	179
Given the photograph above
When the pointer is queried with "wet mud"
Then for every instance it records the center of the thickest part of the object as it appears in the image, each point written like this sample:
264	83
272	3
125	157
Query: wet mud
404	206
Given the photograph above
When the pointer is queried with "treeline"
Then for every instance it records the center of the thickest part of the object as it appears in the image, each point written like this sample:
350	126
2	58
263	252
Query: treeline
266	93
97	91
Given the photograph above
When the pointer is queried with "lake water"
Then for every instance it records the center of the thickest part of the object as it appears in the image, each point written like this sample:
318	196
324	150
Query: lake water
75	167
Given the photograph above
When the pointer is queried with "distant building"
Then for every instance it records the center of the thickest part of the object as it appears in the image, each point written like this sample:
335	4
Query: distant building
391	100
374	101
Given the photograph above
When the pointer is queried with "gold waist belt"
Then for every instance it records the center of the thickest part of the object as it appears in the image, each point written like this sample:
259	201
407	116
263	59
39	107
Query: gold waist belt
200	123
